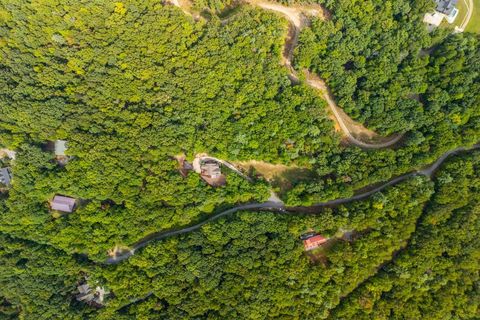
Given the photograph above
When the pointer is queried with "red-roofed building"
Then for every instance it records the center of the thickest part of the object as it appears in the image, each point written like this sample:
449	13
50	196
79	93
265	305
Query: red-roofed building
314	242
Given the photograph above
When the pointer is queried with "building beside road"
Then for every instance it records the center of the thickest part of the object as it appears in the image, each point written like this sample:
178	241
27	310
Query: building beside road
210	171
445	9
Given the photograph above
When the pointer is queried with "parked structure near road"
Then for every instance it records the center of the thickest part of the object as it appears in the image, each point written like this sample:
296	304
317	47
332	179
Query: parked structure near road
446	9
313	242
63	204
5	176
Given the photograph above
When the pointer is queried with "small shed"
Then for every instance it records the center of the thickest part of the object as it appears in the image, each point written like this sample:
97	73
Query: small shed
63	204
314	242
60	148
5	176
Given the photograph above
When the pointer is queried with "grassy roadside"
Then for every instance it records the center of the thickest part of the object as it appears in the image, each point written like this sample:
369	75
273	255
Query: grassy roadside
474	24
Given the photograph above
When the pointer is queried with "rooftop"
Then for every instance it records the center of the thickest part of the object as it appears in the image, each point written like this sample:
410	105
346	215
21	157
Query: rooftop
211	169
60	147
314	242
5	176
446	6
64	204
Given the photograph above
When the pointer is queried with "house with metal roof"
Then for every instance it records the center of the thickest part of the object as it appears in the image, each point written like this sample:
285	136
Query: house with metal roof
314	242
5	176
445	9
211	173
63	204
210	170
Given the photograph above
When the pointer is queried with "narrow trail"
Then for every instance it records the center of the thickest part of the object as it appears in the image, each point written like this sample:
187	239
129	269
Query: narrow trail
185	8
356	133
299	17
469	4
277	206
350	128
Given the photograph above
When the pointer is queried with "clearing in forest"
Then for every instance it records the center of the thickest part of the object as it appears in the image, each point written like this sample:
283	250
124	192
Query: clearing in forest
279	176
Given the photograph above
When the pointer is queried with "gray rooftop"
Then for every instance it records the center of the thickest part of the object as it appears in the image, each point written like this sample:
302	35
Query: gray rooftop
5	176
446	6
64	204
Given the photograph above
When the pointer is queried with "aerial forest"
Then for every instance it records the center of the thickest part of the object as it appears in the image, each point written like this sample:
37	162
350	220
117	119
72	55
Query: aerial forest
138	87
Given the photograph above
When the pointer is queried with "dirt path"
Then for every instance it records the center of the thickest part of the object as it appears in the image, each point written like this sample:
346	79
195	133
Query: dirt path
185	6
467	18
355	132
298	16
7	153
227	164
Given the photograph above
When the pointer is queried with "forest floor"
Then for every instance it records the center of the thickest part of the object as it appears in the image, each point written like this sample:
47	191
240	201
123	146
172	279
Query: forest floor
280	177
267	170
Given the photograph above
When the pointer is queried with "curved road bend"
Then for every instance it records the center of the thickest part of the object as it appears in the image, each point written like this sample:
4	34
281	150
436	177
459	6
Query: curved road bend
269	205
297	21
280	208
319	85
470	5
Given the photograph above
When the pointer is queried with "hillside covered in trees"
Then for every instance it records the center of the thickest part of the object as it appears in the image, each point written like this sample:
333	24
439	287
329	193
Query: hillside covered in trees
133	85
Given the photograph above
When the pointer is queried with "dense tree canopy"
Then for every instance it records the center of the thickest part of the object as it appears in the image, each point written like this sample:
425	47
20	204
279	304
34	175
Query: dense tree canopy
132	84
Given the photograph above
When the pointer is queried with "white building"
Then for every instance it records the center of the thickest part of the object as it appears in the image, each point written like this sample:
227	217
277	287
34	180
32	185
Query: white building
445	9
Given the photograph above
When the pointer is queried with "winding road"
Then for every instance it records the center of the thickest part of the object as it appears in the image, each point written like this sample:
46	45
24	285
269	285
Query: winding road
274	204
297	16
277	206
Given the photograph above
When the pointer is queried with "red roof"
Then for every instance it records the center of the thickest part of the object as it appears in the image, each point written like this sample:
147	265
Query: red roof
314	242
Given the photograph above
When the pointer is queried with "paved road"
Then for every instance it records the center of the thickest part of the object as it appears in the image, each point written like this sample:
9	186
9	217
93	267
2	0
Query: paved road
278	206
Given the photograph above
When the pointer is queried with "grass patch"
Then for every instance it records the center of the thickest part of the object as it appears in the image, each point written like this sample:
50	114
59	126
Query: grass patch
474	24
462	12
